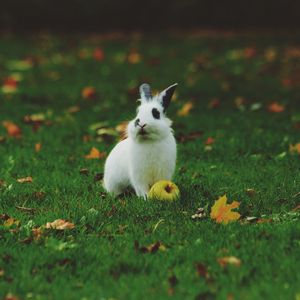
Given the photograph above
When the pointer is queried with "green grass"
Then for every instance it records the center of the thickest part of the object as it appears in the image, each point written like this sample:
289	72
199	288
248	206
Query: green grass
98	259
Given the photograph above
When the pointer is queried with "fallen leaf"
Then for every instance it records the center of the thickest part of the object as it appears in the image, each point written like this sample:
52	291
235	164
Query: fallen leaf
202	270
229	260
88	92
25	179
25	209
275	107
37	233
98	54
95	154
36	120
10	85
59	224
10	222
152	248
251	192
213	103
1	272
12	129
84	171
221	211
10	296
73	109
37	147
186	109
134	57
294	148
209	141
183	138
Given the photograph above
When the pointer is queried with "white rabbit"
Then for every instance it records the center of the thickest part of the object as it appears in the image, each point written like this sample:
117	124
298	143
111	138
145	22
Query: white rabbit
148	154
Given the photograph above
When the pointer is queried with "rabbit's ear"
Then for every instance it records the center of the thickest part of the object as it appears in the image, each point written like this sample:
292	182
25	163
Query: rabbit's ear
145	92
166	95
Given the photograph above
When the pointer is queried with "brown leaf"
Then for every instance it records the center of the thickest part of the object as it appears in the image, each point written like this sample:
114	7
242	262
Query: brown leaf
152	248
25	180
213	103
95	154
202	270
73	109
183	138
122	130
88	93
59	224
229	260
12	129
10	296
264	220
251	192
84	171
275	107
134	57
296	208
37	233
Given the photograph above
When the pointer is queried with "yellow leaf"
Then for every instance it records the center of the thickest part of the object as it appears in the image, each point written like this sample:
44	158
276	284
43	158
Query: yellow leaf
60	224
295	148
221	211
38	147
95	153
11	221
229	260
25	180
185	110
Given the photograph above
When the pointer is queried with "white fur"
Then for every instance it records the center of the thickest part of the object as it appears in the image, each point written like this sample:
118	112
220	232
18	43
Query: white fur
141	160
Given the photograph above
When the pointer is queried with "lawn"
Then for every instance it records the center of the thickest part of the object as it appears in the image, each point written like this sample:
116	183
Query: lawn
237	139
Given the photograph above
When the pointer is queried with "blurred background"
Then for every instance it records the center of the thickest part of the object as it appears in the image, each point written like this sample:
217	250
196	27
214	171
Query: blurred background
102	15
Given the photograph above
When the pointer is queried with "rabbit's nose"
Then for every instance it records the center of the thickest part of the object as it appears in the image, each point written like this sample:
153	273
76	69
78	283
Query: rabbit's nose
136	122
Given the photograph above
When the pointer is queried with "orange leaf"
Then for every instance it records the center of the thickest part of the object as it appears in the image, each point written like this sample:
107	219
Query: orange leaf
209	141
98	54
12	129
229	260
88	92
275	107
295	148
11	221
25	180
221	211
60	224
134	57
186	109
37	147
95	153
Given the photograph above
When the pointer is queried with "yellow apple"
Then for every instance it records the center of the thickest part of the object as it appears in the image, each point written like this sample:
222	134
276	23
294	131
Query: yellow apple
164	190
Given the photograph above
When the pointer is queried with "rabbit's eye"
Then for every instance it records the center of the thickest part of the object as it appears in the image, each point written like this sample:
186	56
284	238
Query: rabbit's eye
155	113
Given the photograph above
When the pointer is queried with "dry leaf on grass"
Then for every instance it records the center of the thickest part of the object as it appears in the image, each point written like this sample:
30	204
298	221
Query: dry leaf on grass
37	147
222	212
59	224
186	109
25	179
276	107
152	248
229	260
10	222
294	148
88	92
12	129
95	154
